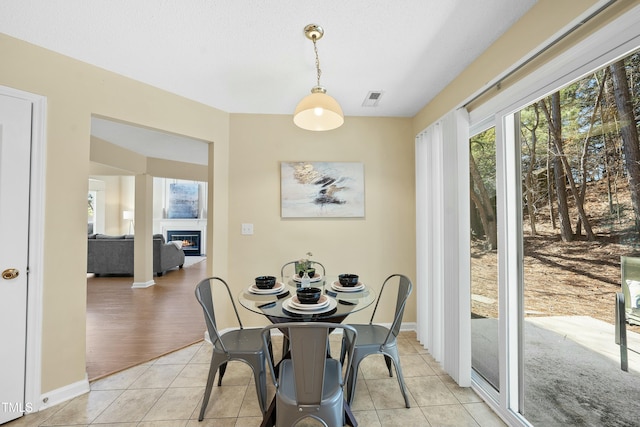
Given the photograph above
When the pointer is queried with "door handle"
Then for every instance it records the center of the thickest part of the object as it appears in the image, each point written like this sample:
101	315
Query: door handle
10	273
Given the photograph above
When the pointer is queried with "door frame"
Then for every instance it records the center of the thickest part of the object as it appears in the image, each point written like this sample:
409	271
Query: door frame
33	365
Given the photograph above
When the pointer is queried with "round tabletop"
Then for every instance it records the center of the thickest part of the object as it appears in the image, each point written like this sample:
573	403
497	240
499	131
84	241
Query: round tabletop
280	304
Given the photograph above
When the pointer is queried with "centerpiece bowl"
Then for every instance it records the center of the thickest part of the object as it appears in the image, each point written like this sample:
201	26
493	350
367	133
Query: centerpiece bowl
310	271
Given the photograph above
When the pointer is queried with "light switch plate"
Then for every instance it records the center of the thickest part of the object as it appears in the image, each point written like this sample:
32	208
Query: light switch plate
247	229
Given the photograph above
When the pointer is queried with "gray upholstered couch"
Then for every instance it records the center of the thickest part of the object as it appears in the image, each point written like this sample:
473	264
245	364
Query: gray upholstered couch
114	255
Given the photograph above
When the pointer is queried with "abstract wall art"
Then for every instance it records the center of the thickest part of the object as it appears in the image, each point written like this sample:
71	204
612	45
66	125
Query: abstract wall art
183	201
322	189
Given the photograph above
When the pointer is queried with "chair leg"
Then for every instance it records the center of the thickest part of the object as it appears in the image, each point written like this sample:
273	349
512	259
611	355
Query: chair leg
223	369
621	331
352	379
271	352
387	360
260	378
285	346
261	389
216	361
403	389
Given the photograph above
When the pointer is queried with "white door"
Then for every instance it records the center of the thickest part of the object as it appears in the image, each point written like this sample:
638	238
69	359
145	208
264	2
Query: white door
15	148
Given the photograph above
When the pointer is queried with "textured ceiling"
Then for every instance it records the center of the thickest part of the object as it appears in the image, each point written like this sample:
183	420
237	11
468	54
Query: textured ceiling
251	56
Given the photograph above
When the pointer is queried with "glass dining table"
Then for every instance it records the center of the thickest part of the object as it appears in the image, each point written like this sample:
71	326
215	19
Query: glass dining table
280	304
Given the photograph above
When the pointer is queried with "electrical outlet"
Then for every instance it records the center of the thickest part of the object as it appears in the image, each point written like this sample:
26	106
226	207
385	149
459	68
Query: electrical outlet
247	229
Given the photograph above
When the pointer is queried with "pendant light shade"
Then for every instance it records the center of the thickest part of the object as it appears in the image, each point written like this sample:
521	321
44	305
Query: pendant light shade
318	111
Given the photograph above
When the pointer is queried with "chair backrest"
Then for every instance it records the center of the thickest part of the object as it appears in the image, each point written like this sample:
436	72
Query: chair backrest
314	264
630	270
205	298
404	290
308	349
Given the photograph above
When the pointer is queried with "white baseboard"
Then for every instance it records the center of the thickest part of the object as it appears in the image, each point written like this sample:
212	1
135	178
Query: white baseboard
143	284
409	326
63	394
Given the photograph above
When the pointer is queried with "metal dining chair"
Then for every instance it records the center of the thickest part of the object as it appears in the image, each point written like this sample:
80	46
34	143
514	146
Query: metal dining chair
240	344
630	284
310	384
376	339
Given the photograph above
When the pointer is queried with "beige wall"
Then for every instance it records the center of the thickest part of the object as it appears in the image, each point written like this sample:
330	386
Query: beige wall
74	92
244	173
113	203
376	246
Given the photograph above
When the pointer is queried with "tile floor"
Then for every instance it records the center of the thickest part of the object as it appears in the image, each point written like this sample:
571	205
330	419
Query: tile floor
167	392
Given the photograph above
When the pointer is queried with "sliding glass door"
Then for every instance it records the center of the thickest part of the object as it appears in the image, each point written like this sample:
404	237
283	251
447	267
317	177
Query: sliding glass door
484	257
580	173
561	177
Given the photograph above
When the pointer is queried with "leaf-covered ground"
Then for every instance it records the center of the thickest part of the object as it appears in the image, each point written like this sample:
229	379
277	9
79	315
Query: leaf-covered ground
561	279
578	278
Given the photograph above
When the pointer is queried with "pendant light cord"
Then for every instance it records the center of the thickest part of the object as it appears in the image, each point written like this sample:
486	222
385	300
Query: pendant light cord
315	49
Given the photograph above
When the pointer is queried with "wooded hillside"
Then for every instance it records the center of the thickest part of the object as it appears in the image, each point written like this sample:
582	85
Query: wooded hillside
580	171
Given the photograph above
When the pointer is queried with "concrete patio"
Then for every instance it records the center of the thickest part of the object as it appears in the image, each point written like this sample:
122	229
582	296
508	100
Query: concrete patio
572	371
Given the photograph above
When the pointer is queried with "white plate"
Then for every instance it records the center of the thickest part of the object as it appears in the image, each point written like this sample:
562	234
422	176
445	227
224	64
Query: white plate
322	302
338	287
279	287
286	304
316	278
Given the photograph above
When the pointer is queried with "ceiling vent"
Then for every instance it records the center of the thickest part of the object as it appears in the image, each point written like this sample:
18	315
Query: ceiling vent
372	98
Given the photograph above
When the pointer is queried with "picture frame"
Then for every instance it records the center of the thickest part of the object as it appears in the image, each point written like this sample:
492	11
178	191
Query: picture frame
183	201
311	189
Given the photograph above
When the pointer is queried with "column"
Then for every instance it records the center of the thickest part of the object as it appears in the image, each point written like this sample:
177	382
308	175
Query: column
143	243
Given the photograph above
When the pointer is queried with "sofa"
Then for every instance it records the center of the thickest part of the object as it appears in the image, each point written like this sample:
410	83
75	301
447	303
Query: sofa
114	255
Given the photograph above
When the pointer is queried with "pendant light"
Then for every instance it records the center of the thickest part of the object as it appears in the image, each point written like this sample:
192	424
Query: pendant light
318	111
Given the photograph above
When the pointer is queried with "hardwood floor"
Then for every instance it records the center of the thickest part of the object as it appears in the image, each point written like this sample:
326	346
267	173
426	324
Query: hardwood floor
126	327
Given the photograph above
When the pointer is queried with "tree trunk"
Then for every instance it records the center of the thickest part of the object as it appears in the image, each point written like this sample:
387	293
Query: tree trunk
530	183
550	191
607	169
629	133
559	175
583	156
614	161
555	124
483	203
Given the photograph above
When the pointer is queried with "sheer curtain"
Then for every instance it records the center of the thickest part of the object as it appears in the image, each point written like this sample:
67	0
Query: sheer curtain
442	244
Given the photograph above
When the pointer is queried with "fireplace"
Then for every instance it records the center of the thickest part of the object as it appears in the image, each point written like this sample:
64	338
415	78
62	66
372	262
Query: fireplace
190	240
